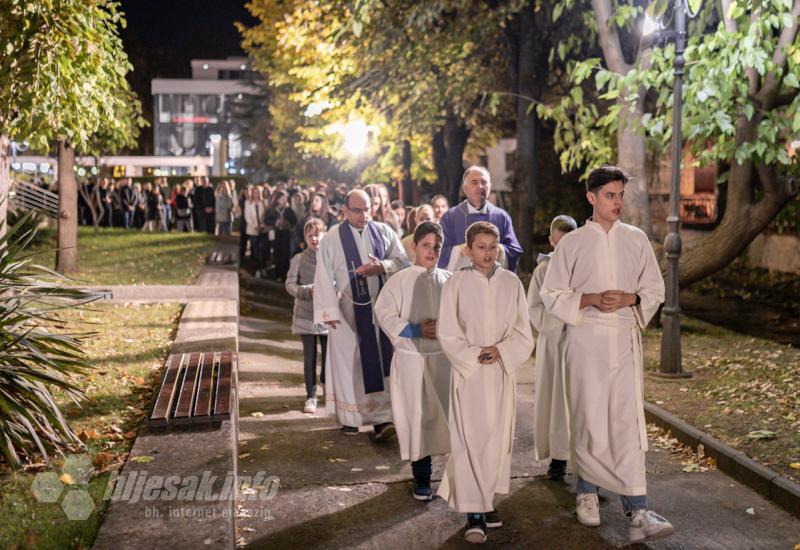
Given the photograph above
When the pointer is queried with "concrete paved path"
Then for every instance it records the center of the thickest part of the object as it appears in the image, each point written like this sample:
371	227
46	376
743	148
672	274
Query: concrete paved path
351	492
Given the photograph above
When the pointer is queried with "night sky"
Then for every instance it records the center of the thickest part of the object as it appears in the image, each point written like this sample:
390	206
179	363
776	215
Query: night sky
163	36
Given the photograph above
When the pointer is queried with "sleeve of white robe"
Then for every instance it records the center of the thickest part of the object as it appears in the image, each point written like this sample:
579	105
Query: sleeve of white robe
517	344
559	299
650	288
388	308
326	301
463	357
536	309
396	258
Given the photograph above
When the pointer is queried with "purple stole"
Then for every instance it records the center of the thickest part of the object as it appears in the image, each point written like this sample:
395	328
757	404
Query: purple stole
372	356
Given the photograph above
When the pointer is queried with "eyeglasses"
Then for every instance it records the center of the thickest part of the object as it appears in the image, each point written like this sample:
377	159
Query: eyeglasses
358	210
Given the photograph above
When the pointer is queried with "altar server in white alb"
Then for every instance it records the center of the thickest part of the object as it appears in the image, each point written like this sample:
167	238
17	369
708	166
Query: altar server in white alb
604	283
407	310
485	332
353	261
550	414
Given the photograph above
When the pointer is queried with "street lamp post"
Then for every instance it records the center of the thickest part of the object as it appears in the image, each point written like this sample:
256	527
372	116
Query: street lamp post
670	366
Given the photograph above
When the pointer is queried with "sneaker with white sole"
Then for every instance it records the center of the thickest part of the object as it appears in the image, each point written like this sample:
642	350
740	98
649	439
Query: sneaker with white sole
310	406
475	531
647	525
588	509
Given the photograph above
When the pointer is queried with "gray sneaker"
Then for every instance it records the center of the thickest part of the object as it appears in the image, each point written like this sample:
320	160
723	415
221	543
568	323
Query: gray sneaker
647	525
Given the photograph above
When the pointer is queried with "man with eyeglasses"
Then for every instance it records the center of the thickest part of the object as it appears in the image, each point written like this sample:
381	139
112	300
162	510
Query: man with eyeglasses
353	262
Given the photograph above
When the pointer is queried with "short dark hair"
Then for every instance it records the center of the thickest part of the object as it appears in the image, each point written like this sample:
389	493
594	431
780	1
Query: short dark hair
428	228
603	175
481	228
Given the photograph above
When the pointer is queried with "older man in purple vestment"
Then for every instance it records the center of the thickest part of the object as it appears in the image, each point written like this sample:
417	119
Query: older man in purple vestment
477	186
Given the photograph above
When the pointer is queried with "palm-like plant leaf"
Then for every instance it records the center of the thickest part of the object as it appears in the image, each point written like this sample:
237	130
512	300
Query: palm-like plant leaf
35	355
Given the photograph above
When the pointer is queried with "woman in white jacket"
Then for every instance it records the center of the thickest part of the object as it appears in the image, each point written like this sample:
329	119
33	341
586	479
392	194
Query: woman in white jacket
254	225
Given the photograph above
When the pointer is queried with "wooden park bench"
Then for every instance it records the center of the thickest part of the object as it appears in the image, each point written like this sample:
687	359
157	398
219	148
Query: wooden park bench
219	257
197	389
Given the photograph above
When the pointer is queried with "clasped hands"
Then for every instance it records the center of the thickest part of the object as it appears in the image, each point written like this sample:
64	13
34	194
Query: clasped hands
608	301
371	268
489	355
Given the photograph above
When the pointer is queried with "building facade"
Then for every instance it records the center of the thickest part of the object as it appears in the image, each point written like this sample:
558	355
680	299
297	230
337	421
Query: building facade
206	115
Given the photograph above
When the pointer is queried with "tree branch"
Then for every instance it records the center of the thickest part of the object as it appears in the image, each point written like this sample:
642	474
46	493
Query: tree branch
730	25
609	37
771	82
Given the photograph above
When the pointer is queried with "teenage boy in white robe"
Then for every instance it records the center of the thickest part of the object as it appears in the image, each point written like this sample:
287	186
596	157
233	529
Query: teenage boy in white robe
485	332
550	416
604	283
407	309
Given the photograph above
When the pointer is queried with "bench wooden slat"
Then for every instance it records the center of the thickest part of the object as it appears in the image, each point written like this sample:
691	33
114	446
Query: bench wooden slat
222	401
202	408
167	392
184	410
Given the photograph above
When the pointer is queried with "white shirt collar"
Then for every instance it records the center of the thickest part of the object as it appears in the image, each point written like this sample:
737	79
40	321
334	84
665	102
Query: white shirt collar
483	209
597	227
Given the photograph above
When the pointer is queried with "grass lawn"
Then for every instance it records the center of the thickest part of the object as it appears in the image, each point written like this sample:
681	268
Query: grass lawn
745	392
120	257
128	352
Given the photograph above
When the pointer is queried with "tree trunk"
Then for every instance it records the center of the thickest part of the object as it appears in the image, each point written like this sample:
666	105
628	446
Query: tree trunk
439	156
5	181
456	135
67	253
407	184
632	158
527	154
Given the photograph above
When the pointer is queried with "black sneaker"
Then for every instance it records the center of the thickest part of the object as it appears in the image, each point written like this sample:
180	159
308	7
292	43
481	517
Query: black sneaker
383	431
557	470
349	430
475	531
421	490
493	520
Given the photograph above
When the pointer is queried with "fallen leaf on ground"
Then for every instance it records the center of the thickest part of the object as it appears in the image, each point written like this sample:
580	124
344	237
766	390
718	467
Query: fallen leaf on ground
356	469
381	467
66	479
795	465
142	459
244	455
102	459
761	434
751	511
257	414
91	433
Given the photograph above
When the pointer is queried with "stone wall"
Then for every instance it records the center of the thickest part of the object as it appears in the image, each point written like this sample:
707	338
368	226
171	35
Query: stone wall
775	252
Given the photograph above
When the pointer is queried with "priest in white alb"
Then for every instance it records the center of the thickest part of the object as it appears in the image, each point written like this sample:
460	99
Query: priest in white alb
353	261
605	284
485	332
407	310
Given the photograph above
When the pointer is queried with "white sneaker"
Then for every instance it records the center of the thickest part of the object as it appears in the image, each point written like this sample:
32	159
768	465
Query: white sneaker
310	406
647	525
588	509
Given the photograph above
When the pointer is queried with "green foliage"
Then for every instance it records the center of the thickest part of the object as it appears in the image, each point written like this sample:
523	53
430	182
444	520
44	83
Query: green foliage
35	353
62	75
401	67
719	68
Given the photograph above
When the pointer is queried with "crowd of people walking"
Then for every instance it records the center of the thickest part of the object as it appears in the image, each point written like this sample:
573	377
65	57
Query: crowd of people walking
193	205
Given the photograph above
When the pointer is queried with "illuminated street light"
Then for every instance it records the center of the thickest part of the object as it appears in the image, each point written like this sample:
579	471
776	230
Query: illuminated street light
356	137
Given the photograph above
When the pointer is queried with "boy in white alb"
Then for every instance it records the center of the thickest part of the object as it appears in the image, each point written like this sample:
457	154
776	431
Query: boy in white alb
604	283
550	415
407	309
485	332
